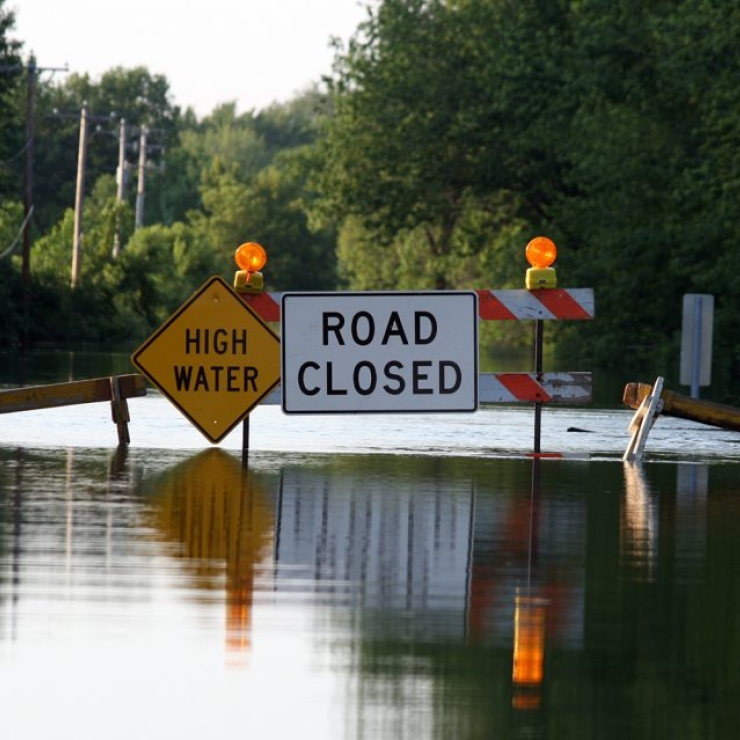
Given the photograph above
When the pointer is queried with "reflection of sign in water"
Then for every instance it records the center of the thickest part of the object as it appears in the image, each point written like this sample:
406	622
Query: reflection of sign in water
391	542
214	509
213	358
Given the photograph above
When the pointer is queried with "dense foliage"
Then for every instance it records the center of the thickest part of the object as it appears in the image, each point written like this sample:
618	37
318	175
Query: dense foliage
463	127
450	132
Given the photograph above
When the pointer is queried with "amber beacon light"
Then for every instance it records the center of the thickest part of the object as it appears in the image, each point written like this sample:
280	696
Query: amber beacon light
541	253
251	258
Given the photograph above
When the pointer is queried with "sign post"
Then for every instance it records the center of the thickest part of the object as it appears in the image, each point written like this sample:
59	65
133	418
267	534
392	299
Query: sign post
213	358
379	352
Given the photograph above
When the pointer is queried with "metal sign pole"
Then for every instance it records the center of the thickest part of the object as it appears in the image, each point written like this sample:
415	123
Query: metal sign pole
245	441
538	332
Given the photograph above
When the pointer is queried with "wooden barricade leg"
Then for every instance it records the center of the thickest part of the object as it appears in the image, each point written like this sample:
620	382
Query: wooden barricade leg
119	411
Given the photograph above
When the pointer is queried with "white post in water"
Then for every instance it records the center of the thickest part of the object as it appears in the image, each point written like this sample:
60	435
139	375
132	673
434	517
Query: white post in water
696	341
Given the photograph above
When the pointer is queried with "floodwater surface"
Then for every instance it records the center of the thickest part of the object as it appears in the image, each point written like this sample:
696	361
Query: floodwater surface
367	577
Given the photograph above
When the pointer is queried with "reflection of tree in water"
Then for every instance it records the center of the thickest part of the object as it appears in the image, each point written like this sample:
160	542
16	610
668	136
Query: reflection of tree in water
215	510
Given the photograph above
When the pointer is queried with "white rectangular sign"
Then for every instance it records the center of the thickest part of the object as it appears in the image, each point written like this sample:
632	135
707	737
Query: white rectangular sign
379	352
697	324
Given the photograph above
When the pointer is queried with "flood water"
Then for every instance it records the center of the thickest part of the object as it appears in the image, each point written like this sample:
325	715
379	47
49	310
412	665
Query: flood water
373	577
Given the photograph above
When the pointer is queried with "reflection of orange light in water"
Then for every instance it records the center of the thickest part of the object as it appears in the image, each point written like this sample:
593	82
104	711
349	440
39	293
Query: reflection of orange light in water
529	650
526	700
239	619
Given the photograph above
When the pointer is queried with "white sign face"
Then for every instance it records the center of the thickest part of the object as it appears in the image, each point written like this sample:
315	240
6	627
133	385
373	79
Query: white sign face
379	352
697	327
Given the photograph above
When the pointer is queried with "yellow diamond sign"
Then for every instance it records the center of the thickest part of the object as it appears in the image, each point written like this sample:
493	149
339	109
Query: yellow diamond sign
213	358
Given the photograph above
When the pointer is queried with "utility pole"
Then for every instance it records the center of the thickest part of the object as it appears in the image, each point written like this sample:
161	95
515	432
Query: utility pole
139	217
32	72
28	179
85	119
79	198
121	173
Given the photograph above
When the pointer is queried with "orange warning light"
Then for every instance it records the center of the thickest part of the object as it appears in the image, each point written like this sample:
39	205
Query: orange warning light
250	256
541	252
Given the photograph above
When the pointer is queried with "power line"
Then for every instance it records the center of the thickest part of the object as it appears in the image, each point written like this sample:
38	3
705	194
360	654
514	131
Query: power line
14	244
17	155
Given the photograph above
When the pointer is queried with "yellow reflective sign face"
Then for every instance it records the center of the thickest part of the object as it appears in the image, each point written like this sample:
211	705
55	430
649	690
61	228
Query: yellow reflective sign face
213	358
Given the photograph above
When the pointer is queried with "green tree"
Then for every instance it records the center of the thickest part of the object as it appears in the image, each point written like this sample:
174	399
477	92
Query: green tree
292	124
301	257
269	209
253	188
651	149
485	251
698	64
12	130
434	109
610	126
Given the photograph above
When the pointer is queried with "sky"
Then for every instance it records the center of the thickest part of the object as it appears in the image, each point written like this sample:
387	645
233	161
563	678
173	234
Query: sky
251	52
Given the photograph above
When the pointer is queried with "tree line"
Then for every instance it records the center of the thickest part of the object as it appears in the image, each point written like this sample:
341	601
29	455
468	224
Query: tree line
445	136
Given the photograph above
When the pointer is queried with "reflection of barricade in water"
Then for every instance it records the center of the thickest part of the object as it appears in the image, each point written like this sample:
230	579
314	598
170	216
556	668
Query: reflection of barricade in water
427	545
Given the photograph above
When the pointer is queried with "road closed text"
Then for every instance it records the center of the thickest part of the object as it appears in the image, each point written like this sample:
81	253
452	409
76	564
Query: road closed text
379	352
418	377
